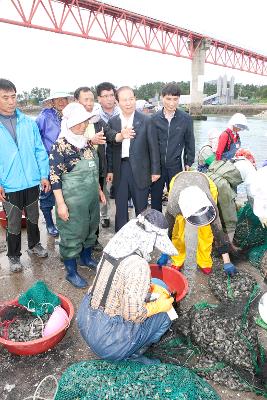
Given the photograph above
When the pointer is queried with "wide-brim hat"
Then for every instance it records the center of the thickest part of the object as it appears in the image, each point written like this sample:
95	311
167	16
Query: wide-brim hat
154	221
58	95
196	207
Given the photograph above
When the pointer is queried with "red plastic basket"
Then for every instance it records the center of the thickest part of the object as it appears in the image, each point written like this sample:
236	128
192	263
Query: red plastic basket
173	279
43	344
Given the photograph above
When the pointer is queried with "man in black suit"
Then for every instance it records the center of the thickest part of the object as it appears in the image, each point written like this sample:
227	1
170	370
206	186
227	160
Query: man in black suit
135	156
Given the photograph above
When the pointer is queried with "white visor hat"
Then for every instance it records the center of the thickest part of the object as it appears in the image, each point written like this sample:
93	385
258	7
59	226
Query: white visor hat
195	206
263	307
75	113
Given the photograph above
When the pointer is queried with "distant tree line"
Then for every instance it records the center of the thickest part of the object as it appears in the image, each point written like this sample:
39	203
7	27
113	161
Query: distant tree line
150	90
34	97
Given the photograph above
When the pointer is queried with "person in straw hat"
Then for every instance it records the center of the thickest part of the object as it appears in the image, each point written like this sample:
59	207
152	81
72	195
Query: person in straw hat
49	122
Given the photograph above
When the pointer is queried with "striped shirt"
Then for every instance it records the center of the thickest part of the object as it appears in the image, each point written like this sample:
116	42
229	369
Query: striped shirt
128	290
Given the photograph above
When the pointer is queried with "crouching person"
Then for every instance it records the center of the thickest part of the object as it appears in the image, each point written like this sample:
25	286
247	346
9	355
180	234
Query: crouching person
192	198
116	318
74	180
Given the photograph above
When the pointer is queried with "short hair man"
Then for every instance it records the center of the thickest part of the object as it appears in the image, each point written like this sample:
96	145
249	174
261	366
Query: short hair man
106	97
49	124
135	156
174	131
23	165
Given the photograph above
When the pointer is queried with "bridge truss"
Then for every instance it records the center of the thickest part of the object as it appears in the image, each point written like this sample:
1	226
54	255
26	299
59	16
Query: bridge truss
95	20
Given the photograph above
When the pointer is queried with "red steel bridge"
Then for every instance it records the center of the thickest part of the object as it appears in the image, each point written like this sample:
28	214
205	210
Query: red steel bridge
95	20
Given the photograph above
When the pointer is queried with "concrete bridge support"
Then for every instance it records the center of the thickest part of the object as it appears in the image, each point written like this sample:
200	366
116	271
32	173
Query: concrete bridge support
197	77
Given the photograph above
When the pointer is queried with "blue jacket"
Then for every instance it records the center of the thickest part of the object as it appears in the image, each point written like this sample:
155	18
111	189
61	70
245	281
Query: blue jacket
22	166
49	126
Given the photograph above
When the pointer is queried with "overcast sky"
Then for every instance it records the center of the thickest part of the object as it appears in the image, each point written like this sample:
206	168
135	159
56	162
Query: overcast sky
37	58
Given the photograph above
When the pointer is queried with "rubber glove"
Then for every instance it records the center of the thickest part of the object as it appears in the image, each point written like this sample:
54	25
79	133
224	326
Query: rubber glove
163	260
159	289
263	222
230	269
161	305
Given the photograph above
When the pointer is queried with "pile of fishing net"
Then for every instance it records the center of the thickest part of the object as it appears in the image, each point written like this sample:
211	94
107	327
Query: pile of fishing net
94	380
218	342
39	299
251	236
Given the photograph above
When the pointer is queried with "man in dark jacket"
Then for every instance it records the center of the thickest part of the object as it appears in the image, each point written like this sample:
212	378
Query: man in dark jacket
174	131
135	156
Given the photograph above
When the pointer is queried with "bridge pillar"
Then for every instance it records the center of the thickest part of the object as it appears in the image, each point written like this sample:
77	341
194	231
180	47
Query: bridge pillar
197	77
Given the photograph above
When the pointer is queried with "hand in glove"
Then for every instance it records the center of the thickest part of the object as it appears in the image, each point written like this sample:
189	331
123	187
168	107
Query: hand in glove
230	269
163	260
159	289
163	304
263	222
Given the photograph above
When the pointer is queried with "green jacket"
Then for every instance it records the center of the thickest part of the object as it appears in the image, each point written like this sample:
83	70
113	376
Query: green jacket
226	177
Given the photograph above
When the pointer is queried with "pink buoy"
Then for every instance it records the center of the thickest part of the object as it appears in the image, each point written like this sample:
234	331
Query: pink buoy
58	319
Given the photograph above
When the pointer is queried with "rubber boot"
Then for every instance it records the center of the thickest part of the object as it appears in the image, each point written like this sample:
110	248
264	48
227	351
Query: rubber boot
72	275
50	226
86	259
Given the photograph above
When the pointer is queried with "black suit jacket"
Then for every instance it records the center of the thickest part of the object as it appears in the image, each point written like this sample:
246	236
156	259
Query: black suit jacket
144	156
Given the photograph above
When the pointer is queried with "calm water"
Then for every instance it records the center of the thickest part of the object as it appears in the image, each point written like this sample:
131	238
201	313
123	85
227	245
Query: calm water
255	139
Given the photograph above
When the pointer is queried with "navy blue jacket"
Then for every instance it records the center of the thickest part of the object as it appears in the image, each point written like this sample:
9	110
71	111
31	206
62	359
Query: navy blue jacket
144	155
173	138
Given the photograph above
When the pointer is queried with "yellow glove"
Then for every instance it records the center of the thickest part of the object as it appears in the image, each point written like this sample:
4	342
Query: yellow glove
159	289
163	304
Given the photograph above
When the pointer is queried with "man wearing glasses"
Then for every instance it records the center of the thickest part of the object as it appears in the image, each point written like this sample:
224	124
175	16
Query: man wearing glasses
106	98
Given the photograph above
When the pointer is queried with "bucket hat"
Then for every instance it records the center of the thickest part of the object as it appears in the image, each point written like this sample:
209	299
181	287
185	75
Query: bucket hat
75	113
238	120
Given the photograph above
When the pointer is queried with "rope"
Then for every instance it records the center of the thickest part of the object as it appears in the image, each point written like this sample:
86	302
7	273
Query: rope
36	396
229	288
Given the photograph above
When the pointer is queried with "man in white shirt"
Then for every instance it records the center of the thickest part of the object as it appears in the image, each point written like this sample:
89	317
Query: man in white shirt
135	156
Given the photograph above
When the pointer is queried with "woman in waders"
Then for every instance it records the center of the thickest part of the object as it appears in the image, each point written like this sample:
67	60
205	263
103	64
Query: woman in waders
74	180
116	318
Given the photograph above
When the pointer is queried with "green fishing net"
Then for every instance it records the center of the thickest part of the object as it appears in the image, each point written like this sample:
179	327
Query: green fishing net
39	299
220	343
94	380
